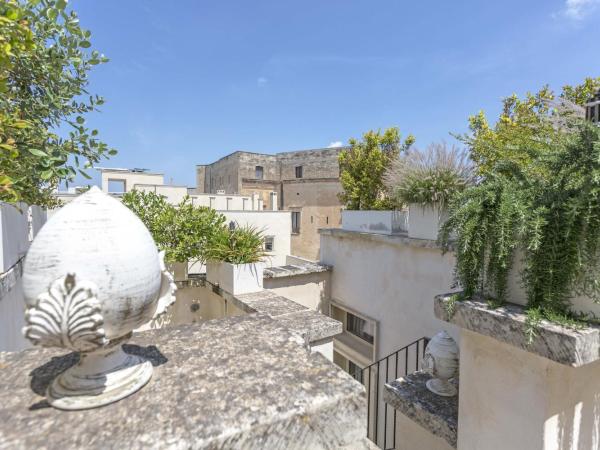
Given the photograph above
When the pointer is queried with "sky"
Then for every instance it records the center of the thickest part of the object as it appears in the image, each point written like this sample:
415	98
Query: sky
191	81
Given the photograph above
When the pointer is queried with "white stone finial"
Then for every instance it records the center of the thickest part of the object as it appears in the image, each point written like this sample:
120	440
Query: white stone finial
441	361
91	276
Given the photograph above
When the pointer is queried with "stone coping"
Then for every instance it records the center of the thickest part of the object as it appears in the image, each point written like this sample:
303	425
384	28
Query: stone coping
568	346
292	270
239	382
437	414
401	239
312	325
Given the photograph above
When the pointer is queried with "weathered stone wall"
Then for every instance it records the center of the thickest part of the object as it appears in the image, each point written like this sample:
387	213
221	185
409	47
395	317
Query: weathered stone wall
223	175
201	186
319	207
318	163
249	161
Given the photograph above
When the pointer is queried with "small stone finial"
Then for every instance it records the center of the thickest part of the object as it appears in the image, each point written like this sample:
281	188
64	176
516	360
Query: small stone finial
92	275
441	361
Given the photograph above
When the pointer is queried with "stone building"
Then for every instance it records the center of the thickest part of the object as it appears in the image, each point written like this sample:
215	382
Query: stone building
304	182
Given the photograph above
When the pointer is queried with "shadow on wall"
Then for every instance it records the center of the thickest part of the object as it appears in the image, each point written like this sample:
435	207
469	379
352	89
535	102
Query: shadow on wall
578	425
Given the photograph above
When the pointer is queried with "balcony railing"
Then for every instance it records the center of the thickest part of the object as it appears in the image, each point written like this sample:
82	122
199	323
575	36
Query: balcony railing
381	418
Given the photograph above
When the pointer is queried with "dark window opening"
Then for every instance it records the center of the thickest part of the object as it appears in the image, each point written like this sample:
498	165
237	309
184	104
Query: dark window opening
259	172
269	243
360	328
298	171
295	221
355	371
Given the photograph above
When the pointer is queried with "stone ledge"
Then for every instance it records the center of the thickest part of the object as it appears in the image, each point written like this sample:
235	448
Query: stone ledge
240	382
311	325
292	270
572	347
401	239
437	414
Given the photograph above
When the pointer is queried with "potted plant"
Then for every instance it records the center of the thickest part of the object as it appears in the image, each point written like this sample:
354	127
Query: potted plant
425	182
182	231
235	259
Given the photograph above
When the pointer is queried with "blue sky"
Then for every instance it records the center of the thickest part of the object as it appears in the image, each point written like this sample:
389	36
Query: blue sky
191	81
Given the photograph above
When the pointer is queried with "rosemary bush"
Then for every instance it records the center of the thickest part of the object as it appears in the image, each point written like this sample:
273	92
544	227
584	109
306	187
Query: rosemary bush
548	209
428	177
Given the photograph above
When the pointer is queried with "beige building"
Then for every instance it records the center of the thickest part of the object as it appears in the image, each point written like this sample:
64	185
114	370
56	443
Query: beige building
304	182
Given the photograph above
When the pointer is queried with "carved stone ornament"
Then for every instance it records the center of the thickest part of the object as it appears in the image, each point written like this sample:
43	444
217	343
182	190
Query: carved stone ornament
441	361
92	275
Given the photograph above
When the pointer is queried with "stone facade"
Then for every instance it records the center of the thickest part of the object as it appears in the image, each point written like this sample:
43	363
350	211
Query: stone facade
313	193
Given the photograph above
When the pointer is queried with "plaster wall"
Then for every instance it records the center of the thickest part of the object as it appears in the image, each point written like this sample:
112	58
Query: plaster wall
173	194
391	282
130	178
12	320
513	399
411	436
14	233
310	290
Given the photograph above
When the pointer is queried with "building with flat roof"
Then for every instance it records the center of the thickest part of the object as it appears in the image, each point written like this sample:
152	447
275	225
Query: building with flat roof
305	182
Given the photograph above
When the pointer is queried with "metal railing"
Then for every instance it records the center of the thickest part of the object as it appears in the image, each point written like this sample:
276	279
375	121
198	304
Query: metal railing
381	421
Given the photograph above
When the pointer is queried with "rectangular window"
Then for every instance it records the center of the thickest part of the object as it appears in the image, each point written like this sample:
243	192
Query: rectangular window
295	221
269	243
259	172
116	186
298	171
355	371
360	328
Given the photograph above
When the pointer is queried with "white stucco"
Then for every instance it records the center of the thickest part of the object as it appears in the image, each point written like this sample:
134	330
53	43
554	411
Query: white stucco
392	282
513	399
129	178
272	223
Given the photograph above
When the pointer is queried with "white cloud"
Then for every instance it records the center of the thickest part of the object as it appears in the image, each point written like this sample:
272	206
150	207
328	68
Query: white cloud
336	144
578	9
261	81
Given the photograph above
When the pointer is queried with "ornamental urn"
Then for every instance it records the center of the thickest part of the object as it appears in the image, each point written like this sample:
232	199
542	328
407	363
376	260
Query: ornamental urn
441	361
92	275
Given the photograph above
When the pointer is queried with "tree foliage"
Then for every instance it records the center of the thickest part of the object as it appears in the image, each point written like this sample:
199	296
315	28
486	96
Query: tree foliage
184	231
45	59
363	165
539	196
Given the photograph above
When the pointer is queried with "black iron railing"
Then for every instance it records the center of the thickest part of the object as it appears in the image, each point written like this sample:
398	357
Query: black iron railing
381	418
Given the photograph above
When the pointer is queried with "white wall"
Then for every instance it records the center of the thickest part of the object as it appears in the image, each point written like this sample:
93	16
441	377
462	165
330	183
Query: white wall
310	290
390	281
17	229
130	178
271	223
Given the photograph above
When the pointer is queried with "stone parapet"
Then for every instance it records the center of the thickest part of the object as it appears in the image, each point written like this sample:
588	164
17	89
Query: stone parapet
569	346
242	382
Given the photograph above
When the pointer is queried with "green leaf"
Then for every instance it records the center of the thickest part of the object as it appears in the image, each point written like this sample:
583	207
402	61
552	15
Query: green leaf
85	44
47	174
61	4
37	152
51	13
112	152
84	174
80	120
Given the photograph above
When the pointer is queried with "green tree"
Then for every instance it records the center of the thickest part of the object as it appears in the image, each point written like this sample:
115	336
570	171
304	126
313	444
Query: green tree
526	129
45	59
363	165
185	232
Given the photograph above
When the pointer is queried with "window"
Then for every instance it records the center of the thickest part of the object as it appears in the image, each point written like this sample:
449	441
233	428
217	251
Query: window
116	186
355	371
296	222
269	243
360	328
298	171
259	172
